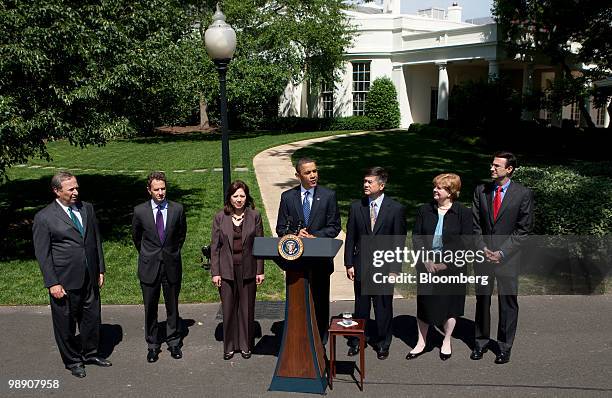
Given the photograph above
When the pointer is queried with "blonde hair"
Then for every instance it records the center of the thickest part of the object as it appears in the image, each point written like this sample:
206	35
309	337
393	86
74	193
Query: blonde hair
450	182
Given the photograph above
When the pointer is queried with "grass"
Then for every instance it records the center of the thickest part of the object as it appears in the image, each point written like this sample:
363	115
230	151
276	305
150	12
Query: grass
413	159
113	178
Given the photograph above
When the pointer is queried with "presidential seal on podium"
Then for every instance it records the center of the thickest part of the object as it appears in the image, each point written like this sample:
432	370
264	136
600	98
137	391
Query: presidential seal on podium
290	247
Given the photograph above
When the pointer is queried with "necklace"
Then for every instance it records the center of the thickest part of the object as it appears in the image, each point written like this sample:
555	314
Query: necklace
238	218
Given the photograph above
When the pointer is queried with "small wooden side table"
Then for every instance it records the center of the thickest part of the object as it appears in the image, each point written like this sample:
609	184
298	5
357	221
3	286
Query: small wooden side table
351	331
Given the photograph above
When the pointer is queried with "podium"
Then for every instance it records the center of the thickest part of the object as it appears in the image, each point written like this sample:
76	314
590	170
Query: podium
301	359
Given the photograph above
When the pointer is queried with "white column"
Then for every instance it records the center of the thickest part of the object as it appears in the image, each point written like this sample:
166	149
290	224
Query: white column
443	91
493	69
399	81
606	115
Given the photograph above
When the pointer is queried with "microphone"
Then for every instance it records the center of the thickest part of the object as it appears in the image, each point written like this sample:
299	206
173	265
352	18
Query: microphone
299	226
288	224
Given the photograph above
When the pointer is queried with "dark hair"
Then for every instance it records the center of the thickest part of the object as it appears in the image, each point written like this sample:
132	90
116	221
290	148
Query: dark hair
381	174
510	159
234	186
302	161
155	175
59	177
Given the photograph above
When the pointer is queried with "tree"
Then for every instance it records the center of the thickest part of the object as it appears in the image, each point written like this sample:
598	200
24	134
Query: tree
92	70
381	105
570	33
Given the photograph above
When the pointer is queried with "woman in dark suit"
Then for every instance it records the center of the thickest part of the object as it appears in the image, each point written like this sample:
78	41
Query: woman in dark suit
234	269
439	227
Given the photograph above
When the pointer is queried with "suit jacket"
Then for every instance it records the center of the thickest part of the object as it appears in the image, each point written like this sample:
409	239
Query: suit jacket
514	222
221	260
324	220
151	251
391	220
456	229
62	253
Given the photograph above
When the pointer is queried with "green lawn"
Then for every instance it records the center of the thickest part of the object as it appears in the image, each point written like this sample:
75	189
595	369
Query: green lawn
113	178
413	159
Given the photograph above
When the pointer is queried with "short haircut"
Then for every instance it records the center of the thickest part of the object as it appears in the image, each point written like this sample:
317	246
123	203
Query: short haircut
234	186
301	162
381	174
155	175
450	182
510	159
59	177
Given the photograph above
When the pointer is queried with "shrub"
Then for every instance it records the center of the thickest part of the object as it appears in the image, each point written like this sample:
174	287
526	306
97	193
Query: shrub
567	202
353	123
381	104
293	123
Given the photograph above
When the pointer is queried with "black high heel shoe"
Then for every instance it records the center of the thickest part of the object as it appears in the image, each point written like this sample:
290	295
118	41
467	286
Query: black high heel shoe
445	357
415	354
228	355
246	354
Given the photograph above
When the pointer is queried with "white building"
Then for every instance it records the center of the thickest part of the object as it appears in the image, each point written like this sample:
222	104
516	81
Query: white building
425	55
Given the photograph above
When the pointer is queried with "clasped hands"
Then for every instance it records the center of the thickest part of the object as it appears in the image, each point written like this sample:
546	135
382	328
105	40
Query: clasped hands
493	256
434	267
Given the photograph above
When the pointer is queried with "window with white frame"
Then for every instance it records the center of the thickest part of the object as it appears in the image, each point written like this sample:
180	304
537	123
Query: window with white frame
600	118
361	86
327	94
575	112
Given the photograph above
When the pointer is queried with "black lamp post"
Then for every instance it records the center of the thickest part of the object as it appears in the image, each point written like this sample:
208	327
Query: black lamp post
220	42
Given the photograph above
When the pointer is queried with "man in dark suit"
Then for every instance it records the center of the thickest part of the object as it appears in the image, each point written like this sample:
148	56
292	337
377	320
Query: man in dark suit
374	215
159	228
316	209
503	217
68	247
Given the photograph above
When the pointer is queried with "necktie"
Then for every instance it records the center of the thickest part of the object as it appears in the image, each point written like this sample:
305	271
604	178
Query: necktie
306	208
497	202
75	220
159	223
372	215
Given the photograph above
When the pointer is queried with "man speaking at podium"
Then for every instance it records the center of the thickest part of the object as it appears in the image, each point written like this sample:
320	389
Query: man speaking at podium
315	209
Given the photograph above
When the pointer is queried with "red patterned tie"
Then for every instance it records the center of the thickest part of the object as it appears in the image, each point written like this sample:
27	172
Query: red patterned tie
497	202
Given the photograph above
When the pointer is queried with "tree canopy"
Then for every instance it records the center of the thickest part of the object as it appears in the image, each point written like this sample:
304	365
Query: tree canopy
88	71
574	34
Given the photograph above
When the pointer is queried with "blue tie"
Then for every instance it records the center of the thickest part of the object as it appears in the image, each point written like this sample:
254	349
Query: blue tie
306	208
76	221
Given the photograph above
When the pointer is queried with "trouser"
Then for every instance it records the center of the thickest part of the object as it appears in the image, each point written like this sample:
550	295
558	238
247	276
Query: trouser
79	307
383	313
238	303
150	295
508	312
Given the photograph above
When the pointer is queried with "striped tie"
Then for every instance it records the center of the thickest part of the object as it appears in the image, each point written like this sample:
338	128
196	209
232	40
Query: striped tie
306	208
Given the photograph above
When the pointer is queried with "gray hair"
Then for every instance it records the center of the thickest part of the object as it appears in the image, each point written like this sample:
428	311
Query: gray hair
61	176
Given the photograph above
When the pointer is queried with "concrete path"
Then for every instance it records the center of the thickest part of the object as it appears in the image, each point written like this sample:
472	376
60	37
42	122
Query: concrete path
562	349
275	174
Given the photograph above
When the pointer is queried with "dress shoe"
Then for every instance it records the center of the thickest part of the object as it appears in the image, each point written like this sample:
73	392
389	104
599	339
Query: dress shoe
228	355
413	355
78	371
98	362
245	355
175	352
152	355
352	351
382	355
477	353
503	357
444	357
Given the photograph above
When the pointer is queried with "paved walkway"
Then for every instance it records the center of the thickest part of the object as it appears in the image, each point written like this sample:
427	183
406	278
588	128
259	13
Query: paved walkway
275	174
562	349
